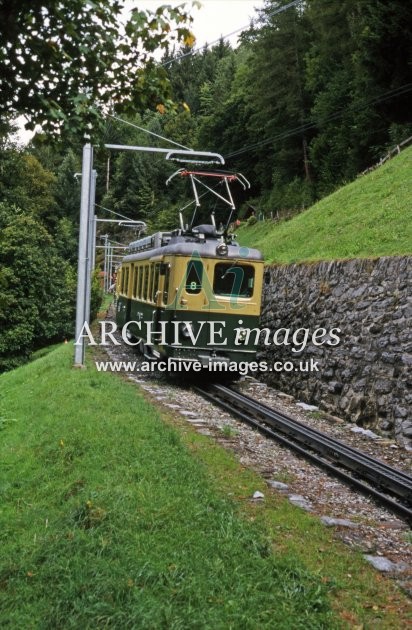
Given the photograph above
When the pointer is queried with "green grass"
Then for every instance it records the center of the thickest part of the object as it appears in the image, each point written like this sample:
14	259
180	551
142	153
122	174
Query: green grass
111	517
367	218
107	520
106	301
38	354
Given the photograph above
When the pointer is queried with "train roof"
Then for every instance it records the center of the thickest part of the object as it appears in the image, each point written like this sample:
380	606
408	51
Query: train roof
204	240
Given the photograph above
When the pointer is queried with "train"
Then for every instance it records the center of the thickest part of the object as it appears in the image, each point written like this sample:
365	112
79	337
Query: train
190	296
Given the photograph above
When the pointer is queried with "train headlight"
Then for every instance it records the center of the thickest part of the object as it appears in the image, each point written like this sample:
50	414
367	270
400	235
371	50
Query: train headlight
241	335
184	329
222	249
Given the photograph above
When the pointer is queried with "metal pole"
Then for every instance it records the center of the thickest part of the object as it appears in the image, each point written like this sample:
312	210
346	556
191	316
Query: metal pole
94	243
113	246
92	221
127	223
90	245
110	268
82	255
106	288
105	262
106	278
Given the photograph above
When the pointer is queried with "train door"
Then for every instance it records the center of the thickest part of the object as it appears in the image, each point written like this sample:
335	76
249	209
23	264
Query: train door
179	297
163	314
123	301
131	270
194	303
155	296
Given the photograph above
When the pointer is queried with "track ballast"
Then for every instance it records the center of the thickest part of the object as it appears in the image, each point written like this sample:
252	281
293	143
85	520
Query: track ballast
343	461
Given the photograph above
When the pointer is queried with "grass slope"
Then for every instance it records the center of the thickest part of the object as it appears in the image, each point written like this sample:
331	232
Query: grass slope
369	217
107	520
110	517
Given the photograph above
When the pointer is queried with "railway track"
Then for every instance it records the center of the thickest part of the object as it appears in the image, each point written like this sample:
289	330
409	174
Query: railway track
388	486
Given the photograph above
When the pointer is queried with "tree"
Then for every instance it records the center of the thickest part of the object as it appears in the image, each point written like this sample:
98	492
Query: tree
67	188
62	62
277	103
36	288
187	72
330	80
358	72
26	184
222	124
383	30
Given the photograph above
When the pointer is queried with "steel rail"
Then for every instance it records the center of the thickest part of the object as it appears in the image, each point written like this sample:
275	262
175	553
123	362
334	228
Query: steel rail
300	438
338	446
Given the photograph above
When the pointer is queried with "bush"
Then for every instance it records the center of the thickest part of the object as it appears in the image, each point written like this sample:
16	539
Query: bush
36	288
96	297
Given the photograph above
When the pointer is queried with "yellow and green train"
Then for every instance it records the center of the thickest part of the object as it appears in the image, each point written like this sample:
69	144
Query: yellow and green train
190	296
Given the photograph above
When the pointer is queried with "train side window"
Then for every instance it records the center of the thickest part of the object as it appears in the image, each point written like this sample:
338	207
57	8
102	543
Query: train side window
155	281
140	290
152	277
139	281
135	278
125	280
166	283
233	280
194	273
146	282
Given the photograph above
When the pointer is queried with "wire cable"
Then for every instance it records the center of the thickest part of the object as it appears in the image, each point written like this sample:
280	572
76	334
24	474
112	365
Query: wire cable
404	89
113	212
152	133
223	37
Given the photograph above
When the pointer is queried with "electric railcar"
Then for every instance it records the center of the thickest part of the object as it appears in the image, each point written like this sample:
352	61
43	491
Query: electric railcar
191	295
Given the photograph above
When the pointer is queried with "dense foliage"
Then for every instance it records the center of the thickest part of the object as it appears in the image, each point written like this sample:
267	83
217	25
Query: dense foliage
312	96
62	62
32	277
37	282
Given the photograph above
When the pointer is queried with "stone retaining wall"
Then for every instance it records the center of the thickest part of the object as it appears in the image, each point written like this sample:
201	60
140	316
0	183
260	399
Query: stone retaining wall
367	377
